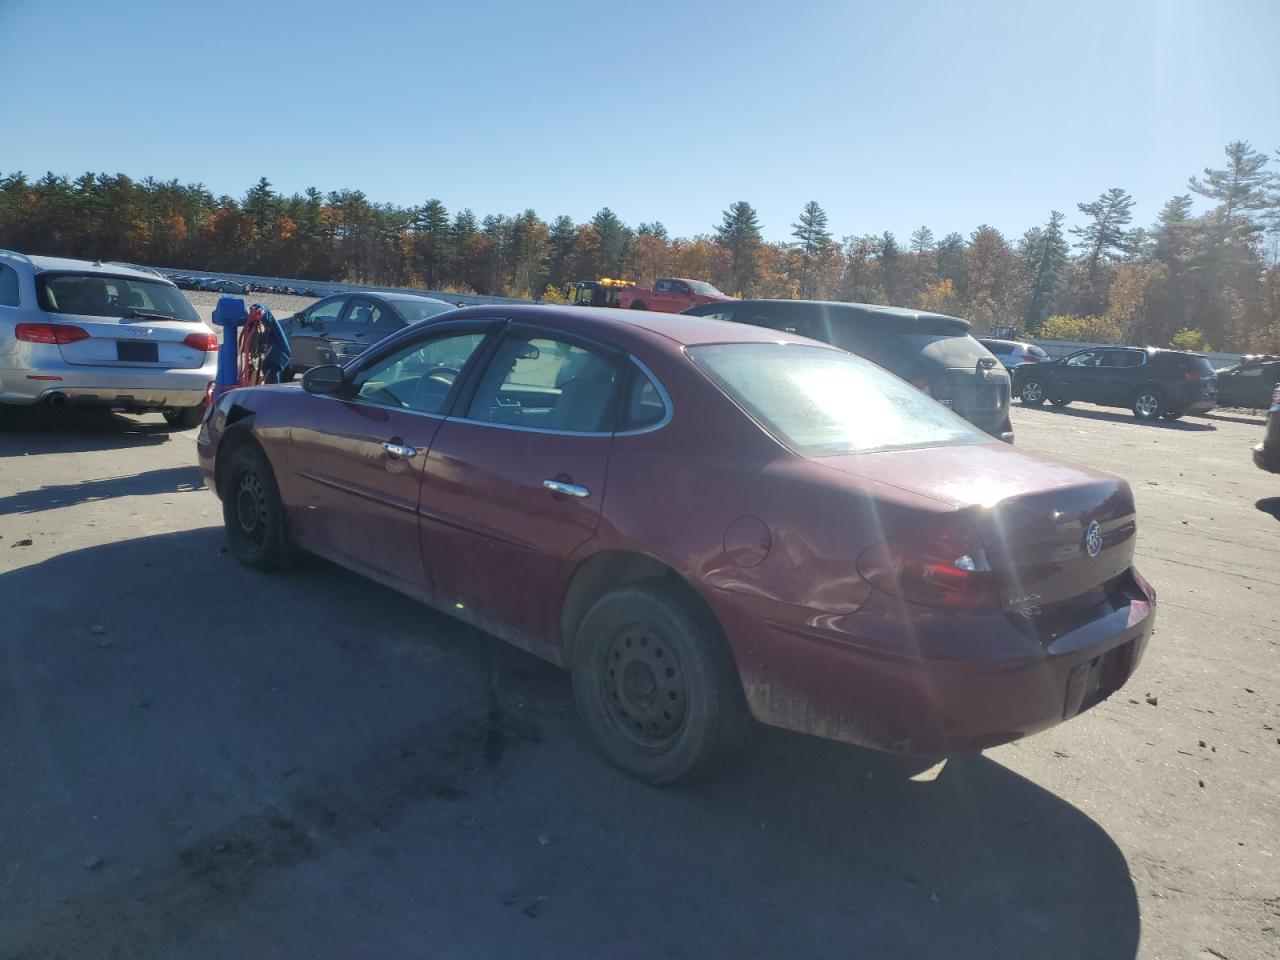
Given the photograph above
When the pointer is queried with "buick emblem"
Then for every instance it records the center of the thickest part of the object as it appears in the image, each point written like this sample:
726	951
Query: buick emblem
1093	539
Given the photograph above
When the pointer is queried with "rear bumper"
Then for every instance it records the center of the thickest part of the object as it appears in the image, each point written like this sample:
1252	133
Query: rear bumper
107	386
938	684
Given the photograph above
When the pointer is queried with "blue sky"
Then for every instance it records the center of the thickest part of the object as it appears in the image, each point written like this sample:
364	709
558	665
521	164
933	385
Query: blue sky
891	115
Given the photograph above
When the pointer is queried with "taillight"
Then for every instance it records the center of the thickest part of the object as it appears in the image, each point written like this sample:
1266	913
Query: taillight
207	342
942	566
59	333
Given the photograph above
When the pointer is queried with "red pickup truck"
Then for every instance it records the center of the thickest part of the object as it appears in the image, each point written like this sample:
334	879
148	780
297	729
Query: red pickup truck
670	295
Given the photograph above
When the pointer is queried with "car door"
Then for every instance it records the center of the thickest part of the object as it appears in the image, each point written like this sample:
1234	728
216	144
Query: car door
1113	377
356	457
1076	377
307	333
515	478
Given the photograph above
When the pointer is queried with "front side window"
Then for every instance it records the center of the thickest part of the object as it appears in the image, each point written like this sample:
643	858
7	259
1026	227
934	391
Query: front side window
98	295
363	313
548	384
418	377
662	286
327	311
822	402
706	289
1090	358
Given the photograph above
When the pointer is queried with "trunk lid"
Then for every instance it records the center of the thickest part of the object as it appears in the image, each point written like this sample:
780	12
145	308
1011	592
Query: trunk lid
128	342
1035	516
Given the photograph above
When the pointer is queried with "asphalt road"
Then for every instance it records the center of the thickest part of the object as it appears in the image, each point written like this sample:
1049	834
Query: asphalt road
200	761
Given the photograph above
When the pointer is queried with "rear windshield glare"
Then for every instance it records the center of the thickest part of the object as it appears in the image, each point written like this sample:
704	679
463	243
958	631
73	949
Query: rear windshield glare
101	295
944	350
821	402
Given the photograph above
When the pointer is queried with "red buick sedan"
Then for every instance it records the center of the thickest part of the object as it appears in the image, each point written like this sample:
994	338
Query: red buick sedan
704	522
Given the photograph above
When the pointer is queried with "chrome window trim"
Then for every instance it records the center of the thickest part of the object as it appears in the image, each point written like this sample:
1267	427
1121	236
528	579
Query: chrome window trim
662	395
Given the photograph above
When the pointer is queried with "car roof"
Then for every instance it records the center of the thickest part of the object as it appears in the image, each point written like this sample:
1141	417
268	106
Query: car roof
399	297
104	267
1012	343
628	327
872	311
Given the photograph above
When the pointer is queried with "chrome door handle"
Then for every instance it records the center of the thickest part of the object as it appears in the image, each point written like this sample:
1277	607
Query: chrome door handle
568	489
400	450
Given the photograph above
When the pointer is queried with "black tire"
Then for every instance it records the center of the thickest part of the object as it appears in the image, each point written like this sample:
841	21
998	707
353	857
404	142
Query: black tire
656	684
1031	393
638	305
1148	404
1059	403
252	512
184	418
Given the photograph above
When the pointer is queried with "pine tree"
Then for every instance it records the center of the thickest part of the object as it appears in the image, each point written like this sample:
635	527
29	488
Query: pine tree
739	233
1241	187
430	226
889	256
811	231
614	238
1045	253
951	263
655	229
1104	236
563	235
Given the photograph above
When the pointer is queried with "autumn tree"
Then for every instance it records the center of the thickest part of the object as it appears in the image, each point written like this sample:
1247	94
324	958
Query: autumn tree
739	234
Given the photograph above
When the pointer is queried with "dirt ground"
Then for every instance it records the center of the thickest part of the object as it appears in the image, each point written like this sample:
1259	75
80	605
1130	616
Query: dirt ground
201	761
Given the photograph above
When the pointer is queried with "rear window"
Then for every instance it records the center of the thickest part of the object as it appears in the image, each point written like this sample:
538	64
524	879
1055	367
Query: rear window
999	349
822	402
941	350
98	295
1186	362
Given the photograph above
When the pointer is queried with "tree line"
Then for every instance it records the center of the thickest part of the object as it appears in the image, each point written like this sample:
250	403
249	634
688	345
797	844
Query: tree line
1199	280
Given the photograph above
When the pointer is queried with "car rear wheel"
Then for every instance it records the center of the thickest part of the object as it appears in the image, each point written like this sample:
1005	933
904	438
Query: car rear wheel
252	512
1148	404
1032	393
656	684
184	418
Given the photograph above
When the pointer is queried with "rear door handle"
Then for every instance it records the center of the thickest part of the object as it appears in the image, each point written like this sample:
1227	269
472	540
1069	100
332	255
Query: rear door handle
400	450
568	489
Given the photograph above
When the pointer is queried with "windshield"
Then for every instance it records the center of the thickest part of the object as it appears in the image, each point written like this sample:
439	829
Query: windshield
822	402
705	289
98	295
415	310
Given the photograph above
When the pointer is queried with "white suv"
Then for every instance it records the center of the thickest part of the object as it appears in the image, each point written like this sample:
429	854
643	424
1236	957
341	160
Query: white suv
101	334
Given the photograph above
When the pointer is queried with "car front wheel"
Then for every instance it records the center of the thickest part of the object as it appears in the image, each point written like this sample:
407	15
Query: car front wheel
1032	393
251	510
656	684
1148	405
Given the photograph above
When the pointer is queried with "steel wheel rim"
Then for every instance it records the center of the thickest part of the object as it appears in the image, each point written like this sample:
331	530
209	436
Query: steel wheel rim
1147	405
251	508
643	688
1032	392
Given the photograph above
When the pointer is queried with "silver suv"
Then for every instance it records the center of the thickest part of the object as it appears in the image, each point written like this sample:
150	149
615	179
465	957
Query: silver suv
101	334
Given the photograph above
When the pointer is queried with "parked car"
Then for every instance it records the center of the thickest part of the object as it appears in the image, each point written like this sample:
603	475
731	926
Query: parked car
1012	353
219	285
1153	383
1266	455
705	523
1249	383
101	334
934	352
337	328
670	295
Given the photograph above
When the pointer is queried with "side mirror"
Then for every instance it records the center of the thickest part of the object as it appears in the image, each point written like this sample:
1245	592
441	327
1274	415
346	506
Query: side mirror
324	380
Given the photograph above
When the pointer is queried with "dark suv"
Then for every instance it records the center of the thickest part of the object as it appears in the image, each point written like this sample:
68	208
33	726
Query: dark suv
1152	383
932	351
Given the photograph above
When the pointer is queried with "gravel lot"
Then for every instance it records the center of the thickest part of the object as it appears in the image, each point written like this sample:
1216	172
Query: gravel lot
201	761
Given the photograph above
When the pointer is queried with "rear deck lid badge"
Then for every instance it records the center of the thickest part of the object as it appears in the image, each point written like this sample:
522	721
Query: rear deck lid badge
1093	538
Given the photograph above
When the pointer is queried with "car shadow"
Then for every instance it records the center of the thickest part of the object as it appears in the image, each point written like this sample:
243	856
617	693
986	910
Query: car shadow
48	430
1269	505
1095	413
202	755
170	480
1238	415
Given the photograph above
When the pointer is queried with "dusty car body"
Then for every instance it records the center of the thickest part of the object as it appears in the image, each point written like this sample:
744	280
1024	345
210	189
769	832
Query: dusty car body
918	597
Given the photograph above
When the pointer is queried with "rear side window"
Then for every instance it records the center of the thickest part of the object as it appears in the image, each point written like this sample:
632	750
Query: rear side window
822	402
8	286
1000	349
1037	352
644	405
1186	363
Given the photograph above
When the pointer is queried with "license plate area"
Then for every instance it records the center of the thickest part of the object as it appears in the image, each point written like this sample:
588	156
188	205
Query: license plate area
137	351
